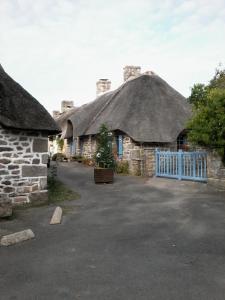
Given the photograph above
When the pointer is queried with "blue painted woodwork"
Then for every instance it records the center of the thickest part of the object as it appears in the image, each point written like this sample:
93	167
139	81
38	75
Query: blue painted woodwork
181	165
120	146
71	145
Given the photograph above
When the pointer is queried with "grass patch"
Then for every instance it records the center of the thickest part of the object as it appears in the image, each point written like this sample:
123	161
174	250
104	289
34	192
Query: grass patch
58	192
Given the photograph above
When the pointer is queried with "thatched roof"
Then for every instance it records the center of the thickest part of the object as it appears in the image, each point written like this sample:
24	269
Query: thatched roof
63	122
19	110
146	108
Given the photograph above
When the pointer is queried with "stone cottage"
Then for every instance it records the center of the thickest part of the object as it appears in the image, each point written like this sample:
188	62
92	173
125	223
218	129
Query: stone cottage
67	109
144	113
24	128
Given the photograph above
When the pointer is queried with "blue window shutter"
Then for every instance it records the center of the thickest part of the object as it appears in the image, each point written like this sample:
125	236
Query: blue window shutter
120	146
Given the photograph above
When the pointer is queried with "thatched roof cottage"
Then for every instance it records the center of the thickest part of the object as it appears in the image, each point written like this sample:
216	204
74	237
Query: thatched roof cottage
24	128
144	113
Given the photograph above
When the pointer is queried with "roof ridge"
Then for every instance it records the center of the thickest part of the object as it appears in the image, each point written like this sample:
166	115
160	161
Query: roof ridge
115	92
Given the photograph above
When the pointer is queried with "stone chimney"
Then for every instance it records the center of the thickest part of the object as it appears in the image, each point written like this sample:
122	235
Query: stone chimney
149	73
66	105
56	114
130	72
103	85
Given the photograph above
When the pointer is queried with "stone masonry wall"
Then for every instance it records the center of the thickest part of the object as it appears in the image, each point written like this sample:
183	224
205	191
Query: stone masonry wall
215	170
23	169
88	146
141	158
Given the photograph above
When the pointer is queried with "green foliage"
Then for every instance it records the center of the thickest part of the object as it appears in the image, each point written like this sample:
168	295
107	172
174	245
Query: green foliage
60	143
122	167
58	156
77	157
218	81
198	95
87	161
103	156
207	127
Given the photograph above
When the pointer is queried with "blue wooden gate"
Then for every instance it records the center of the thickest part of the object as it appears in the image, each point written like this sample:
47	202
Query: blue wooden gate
181	165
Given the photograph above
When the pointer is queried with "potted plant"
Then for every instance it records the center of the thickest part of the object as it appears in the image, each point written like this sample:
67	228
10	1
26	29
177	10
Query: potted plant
104	160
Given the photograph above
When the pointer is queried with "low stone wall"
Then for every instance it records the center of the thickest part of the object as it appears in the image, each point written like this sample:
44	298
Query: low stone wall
23	169
215	170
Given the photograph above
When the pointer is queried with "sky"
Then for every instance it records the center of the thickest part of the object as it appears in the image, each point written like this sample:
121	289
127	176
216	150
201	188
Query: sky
58	49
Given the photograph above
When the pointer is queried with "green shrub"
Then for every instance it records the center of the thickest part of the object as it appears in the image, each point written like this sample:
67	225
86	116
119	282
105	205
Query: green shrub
122	167
103	156
77	157
58	156
88	161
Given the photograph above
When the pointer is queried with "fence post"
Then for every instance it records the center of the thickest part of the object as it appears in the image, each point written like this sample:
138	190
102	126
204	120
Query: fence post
180	156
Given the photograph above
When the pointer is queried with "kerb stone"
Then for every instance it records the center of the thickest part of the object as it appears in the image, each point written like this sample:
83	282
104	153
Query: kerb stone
17	237
57	216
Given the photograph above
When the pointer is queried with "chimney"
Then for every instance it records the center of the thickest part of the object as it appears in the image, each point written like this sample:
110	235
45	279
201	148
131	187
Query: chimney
149	73
130	72
103	85
66	105
55	114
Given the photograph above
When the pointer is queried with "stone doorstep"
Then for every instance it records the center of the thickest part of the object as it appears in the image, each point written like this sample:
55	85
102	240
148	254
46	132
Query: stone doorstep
17	237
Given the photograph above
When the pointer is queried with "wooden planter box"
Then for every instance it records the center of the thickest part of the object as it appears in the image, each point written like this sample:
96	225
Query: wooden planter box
103	175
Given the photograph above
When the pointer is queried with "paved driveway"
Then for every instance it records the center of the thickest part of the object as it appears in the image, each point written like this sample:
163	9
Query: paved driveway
134	239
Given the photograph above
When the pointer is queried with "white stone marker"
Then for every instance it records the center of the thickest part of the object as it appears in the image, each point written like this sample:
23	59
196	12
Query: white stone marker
57	216
17	237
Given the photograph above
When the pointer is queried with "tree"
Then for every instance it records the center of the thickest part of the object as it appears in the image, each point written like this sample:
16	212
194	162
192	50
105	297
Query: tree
207	126
198	94
103	155
218	81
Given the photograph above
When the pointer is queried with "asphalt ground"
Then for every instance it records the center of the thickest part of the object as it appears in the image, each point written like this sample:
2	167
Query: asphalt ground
134	239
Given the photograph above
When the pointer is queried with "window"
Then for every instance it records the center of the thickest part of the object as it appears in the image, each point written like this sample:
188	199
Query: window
71	146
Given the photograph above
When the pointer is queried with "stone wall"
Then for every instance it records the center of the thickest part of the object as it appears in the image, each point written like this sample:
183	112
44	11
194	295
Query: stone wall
133	154
23	169
215	169
141	158
88	146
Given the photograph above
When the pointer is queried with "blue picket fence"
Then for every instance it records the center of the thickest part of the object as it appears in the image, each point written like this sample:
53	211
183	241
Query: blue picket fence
181	165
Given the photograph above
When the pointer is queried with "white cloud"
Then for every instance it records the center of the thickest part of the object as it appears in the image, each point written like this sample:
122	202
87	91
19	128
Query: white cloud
57	49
